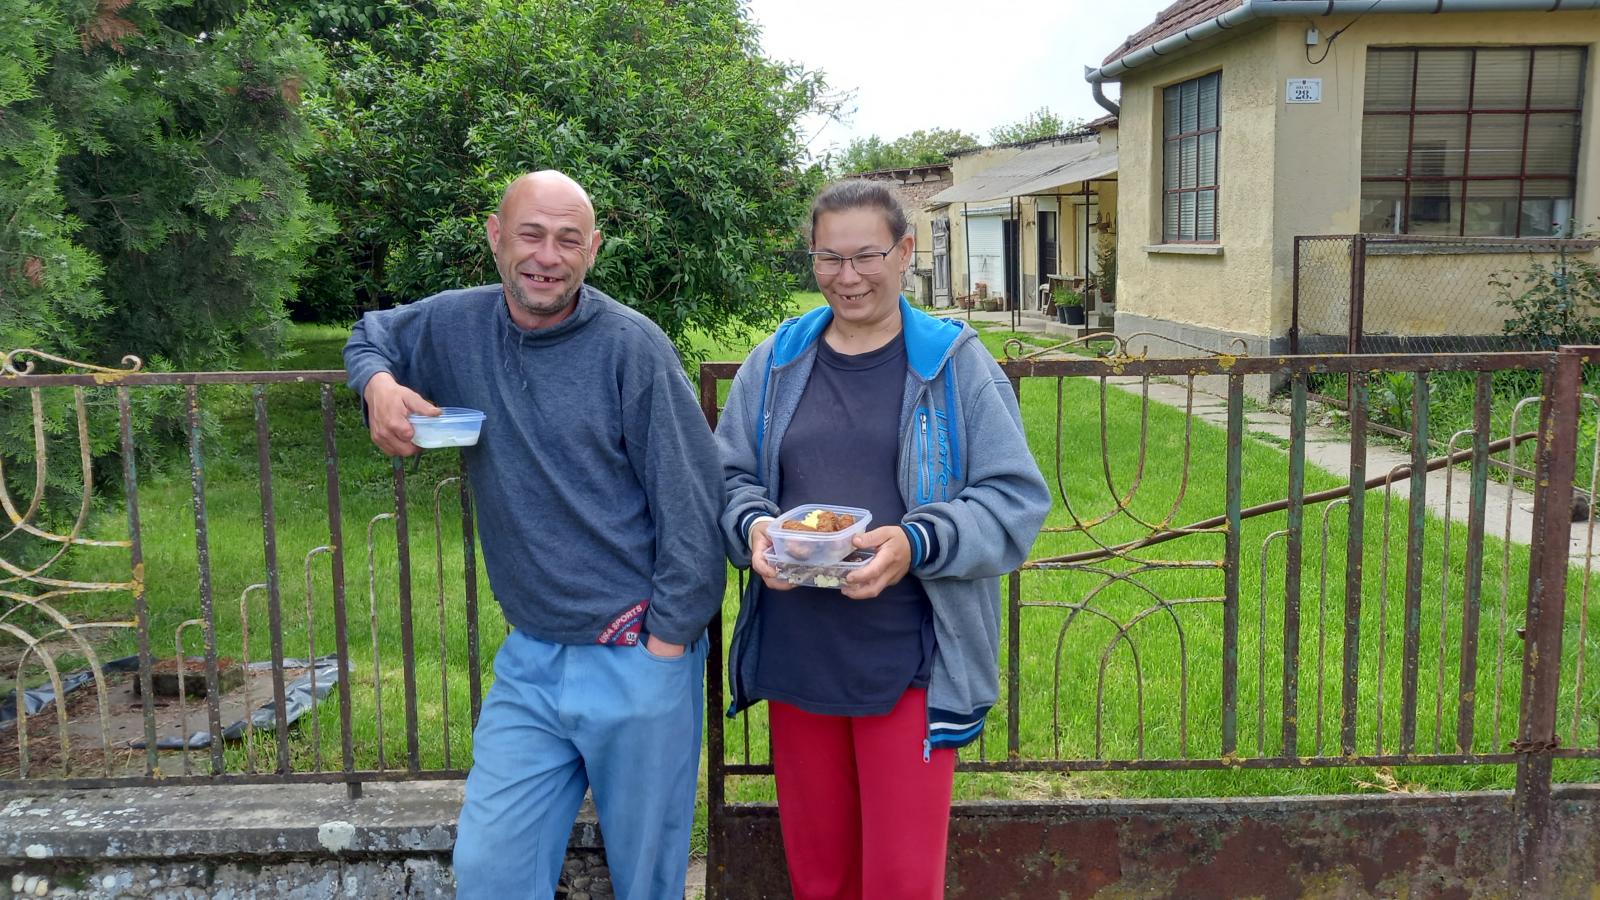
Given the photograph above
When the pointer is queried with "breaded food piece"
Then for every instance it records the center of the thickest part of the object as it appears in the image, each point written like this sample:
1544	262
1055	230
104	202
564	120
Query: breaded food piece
821	521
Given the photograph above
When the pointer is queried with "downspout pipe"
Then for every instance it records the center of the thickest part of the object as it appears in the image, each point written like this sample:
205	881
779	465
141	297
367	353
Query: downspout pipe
1252	10
1099	88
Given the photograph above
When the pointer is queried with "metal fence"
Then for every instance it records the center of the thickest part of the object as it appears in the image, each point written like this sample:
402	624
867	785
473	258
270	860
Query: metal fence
255	619
1201	600
1385	293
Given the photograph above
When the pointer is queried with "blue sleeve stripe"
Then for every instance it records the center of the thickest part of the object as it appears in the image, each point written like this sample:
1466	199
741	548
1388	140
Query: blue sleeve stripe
748	520
918	554
925	545
941	738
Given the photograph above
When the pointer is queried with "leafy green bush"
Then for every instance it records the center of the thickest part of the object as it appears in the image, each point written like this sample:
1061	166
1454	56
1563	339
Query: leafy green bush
665	111
1552	303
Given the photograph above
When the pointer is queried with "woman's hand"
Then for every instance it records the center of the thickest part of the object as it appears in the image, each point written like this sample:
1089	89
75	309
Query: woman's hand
759	545
888	567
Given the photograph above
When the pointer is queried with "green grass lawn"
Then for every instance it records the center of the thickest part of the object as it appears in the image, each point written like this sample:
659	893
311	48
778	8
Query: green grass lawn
1090	685
733	347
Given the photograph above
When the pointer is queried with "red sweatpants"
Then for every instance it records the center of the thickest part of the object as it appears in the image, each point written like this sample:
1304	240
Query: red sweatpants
862	815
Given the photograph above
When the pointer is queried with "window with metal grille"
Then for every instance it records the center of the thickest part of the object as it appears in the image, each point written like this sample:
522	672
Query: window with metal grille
1190	168
1479	141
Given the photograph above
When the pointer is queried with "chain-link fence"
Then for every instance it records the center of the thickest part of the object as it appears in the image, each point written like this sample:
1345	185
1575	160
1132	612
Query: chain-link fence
1368	293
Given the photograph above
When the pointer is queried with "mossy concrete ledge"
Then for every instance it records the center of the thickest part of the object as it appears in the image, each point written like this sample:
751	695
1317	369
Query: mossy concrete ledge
299	840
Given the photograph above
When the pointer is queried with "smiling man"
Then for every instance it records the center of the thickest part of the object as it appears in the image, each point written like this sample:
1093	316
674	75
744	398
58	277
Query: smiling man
597	488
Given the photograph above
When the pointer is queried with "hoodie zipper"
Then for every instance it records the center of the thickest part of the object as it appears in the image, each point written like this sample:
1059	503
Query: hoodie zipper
923	474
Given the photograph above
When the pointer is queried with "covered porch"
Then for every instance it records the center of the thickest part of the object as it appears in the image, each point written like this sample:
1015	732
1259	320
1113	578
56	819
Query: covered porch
1042	219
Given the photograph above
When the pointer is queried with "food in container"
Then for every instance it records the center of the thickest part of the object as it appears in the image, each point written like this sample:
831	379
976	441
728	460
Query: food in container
817	533
822	576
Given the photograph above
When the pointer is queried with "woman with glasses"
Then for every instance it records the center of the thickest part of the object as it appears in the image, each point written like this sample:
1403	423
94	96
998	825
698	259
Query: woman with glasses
869	402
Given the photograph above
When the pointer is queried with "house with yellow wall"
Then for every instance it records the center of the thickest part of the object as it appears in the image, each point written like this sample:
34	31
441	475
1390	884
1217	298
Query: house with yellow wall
1246	123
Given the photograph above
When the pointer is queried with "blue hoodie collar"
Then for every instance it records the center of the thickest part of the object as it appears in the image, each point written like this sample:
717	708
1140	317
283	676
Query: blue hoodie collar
928	339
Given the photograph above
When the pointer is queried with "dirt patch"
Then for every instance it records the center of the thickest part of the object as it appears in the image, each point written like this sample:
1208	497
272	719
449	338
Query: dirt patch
86	753
58	648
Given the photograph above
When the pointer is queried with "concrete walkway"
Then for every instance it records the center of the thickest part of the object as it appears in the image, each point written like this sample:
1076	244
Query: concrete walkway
1329	450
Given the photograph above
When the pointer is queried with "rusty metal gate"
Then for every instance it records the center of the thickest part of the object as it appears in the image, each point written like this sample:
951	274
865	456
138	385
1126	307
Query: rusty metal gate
1202	601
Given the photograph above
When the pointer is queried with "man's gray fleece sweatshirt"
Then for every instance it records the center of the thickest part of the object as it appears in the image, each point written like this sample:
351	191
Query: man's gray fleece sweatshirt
595	478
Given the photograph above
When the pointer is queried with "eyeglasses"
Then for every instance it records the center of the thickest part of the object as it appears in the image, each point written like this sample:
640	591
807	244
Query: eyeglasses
867	262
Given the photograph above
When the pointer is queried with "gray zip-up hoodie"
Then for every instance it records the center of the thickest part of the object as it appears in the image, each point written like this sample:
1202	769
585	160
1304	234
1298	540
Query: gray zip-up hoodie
974	497
595	477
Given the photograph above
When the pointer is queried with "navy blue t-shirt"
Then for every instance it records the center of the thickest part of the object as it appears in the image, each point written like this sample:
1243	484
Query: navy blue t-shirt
820	650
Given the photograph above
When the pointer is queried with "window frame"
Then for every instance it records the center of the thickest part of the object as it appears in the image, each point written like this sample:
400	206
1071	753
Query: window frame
1215	187
1465	179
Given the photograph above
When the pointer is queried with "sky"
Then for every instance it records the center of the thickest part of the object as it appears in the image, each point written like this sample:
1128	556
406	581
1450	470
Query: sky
969	65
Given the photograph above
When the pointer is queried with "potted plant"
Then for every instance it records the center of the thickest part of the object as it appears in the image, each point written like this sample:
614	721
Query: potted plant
1069	305
1106	260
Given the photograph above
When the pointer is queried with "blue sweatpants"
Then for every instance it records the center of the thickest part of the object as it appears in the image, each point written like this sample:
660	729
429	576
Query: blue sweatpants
561	718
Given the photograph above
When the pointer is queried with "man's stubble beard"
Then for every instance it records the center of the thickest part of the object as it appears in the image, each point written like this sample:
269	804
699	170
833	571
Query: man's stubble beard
528	305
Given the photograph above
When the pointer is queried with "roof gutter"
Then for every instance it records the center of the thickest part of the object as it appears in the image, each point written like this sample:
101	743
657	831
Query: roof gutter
1253	10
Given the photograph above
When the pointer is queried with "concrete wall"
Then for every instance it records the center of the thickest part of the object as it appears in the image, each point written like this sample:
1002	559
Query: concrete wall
1290	169
311	841
1418	845
240	841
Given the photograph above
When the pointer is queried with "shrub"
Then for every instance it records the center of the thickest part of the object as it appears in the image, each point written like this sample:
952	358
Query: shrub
1552	303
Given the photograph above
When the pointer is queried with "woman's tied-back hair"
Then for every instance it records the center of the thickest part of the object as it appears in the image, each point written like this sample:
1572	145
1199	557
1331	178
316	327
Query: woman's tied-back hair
859	193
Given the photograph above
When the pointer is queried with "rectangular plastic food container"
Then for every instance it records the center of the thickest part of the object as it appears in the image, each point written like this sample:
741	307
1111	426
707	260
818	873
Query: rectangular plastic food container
830	576
454	426
814	547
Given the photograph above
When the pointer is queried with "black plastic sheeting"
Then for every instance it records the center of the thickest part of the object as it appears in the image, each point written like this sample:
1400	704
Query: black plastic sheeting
36	699
297	699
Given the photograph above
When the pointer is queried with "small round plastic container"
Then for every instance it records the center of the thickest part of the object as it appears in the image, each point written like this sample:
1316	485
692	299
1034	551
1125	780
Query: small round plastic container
819	548
454	426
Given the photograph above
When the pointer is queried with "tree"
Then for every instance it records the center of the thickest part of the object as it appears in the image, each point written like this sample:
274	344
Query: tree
1041	123
919	148
150	201
683	133
148	178
47	280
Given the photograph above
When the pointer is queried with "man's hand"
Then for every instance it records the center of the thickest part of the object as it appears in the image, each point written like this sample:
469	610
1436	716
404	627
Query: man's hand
661	648
388	404
759	545
888	567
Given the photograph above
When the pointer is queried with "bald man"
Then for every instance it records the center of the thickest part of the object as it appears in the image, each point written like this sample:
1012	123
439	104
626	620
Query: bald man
597	489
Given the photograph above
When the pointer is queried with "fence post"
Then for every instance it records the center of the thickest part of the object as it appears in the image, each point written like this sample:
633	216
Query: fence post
1294	301
1547	586
715	762
1358	291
